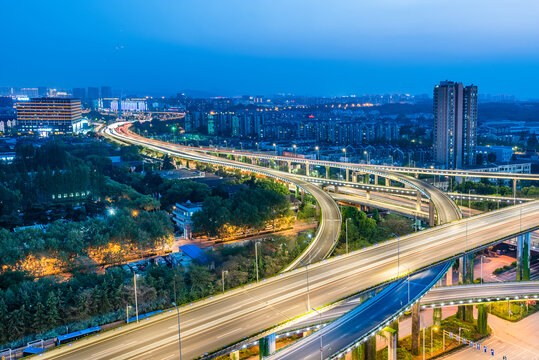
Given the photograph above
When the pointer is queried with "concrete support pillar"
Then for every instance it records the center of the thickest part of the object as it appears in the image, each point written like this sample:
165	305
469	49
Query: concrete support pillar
368	193
367	179
335	189
523	257
302	195
432	220
289	164
391	336
235	355
415	328
449	277
370	348
466	276
388	181
437	317
416	175
418	202
327	172
347	175
514	188
307	172
375	179
266	345
358	353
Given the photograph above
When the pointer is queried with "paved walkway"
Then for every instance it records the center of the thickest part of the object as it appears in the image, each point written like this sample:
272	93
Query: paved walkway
517	341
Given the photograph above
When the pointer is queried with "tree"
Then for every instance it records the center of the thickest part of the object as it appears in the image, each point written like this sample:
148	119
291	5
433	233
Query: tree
482	316
39	318
167	163
52	314
491	157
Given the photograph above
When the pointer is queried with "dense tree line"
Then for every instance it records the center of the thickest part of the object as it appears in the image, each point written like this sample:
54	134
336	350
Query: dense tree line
250	208
40	177
46	306
364	231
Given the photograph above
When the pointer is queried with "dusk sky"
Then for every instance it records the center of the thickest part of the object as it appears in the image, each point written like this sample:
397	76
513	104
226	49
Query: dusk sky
308	47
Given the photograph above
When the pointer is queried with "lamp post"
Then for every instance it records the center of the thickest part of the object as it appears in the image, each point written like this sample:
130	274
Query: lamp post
435	328
256	258
345	158
295	150
398	252
223	273
317	148
367	155
136	300
320	334
482	269
308	293
275	148
257	147
346	225
179	333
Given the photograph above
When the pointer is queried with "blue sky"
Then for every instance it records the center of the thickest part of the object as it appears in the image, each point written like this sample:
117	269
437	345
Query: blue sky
309	47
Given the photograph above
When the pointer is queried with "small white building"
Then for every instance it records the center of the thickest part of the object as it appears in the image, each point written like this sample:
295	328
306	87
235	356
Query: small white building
182	216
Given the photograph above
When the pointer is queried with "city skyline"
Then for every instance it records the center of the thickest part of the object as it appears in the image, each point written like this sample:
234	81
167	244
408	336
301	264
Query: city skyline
271	47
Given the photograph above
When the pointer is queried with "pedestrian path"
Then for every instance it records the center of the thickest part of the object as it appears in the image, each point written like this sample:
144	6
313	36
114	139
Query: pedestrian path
515	341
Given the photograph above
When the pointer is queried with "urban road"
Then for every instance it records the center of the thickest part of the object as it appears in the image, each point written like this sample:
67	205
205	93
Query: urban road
213	323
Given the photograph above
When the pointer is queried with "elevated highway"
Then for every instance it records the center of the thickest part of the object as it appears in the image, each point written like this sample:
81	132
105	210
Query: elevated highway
396	209
213	323
329	229
223	319
438	297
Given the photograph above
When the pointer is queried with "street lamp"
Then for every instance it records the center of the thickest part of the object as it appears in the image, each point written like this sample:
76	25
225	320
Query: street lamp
295	150
257	149
179	333
344	151
398	252
435	328
275	148
320	334
317	148
367	155
346	225
308	293
136	299
223	273
256	258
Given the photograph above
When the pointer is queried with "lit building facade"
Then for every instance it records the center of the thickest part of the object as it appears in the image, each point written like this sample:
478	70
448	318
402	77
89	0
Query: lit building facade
47	115
455	124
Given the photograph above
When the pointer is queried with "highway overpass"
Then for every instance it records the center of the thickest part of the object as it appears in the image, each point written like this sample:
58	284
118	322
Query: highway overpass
213	323
223	319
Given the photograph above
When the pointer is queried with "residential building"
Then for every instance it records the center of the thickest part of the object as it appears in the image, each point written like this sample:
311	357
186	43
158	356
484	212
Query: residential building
183	214
455	124
47	115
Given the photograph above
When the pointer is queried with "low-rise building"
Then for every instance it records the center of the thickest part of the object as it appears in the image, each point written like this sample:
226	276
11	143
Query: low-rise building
182	216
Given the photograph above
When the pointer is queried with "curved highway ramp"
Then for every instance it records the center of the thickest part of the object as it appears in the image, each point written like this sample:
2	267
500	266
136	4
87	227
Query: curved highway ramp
364	321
